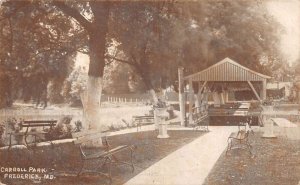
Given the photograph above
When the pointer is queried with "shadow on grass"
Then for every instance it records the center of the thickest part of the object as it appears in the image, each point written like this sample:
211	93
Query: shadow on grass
149	150
275	161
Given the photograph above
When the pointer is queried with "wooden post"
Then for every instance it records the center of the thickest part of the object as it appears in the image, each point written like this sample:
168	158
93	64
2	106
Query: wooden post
264	90
191	100
197	99
181	96
253	89
197	102
217	101
226	94
222	98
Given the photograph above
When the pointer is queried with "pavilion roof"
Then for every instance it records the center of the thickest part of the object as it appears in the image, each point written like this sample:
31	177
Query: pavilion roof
227	70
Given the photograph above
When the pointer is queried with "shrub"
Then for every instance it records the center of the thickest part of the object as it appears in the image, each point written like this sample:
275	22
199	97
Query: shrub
11	125
62	130
2	129
78	126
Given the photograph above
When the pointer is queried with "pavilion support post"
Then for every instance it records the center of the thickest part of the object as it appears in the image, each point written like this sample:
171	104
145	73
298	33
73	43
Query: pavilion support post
204	97
226	96
181	96
191	100
254	91
217	99
222	99
264	90
197	98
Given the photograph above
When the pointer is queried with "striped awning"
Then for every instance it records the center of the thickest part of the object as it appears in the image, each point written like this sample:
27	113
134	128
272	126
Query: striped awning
227	70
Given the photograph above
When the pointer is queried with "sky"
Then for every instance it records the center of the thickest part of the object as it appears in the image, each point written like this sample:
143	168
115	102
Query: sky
287	12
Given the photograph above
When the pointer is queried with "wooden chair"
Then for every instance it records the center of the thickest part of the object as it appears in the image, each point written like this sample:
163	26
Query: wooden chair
106	153
241	139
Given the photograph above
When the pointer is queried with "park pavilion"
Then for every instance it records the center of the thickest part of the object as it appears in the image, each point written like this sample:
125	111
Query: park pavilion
217	81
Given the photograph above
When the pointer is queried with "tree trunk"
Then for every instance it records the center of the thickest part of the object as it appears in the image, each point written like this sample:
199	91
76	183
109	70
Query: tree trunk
142	70
154	96
92	108
97	46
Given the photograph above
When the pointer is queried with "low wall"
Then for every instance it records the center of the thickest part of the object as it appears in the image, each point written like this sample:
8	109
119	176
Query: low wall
60	155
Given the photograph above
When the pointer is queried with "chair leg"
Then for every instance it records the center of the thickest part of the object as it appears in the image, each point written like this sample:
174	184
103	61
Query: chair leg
249	147
109	170
81	168
131	159
104	163
228	146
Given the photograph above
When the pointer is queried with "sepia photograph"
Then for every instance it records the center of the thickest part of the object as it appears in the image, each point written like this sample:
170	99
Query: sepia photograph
150	92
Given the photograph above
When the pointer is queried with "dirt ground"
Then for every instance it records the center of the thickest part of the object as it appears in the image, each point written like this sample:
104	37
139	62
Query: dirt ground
148	151
274	162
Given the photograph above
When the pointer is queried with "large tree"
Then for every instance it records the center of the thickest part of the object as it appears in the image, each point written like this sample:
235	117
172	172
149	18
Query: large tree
96	29
35	48
156	37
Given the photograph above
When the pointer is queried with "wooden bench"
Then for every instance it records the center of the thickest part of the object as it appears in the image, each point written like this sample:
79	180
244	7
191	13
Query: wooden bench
36	123
239	141
106	154
142	120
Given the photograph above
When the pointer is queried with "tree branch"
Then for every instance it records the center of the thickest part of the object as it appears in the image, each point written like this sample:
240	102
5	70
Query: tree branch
119	60
74	14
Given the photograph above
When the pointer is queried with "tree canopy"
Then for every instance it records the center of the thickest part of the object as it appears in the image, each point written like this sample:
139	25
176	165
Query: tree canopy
39	40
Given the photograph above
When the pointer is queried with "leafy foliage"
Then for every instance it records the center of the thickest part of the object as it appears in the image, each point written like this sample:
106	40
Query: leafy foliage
75	85
155	38
37	47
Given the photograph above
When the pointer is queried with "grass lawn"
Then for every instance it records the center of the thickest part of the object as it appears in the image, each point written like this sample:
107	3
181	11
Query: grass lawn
275	162
149	151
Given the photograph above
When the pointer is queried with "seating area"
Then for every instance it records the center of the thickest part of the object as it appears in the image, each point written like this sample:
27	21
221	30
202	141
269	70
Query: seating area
142	120
106	154
38	135
240	140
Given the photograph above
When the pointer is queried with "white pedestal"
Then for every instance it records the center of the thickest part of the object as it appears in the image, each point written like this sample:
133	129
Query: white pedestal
269	130
163	131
